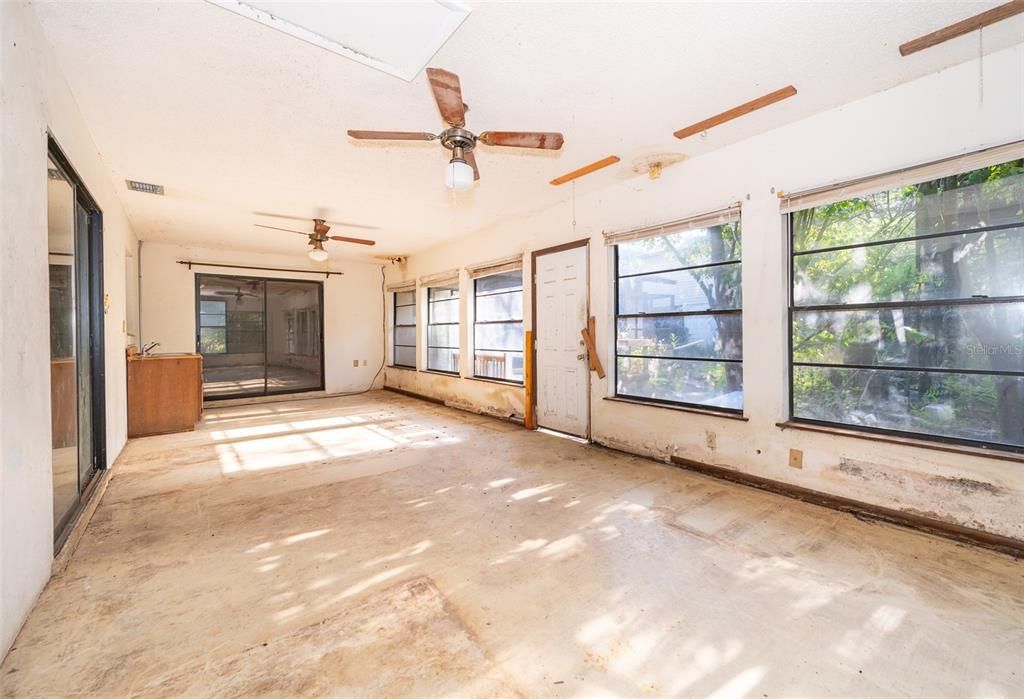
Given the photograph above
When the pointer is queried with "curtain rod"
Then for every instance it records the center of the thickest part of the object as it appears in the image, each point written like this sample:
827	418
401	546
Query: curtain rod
191	264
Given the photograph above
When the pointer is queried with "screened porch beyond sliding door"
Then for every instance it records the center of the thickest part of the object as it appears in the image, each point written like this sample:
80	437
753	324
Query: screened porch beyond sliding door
259	336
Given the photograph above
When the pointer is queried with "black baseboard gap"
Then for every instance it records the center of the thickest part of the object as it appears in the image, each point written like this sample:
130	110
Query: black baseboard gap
413	394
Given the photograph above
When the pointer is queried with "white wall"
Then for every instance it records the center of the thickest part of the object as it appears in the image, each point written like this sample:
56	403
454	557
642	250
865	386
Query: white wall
353	320
937	116
34	99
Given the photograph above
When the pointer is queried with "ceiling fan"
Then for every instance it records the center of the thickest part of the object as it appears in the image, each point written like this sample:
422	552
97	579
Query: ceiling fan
459	140
238	294
319	236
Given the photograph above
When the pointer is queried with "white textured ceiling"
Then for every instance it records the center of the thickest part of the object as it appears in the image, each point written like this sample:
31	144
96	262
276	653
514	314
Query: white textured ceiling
233	117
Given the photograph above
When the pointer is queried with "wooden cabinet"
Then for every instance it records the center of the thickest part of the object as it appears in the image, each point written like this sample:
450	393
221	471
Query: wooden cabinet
165	394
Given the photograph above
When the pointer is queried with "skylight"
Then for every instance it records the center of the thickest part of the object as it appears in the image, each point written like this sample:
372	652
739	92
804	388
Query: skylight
398	38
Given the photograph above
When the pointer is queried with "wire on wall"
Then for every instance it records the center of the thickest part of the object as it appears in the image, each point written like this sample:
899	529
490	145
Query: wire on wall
384	340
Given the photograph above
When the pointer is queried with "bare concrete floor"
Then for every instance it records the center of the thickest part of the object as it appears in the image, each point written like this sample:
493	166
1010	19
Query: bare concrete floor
377	545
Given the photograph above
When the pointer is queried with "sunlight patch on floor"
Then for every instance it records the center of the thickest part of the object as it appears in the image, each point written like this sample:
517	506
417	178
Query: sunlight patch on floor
306	443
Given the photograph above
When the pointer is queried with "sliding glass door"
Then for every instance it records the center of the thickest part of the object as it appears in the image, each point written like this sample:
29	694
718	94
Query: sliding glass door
259	336
294	356
74	239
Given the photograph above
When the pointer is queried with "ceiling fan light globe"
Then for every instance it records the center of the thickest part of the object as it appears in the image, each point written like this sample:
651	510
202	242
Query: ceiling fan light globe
318	255
458	175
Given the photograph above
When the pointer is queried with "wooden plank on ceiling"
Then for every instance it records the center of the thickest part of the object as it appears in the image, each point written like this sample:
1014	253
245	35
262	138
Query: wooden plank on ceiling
586	170
736	112
996	14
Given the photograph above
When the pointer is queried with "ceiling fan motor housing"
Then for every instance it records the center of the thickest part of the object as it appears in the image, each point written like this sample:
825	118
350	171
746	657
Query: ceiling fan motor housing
457	138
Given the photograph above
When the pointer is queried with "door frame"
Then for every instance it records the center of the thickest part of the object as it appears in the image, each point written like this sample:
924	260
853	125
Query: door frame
581	243
322	319
97	343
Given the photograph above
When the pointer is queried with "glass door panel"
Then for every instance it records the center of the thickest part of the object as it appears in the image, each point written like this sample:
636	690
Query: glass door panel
64	343
293	336
77	406
230	335
86	452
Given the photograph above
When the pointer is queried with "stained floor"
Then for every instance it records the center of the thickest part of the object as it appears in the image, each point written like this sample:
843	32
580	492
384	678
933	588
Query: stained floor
379	545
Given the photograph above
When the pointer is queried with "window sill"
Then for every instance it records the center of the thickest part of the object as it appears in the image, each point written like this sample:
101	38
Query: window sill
680	408
399	366
510	384
438	372
905	441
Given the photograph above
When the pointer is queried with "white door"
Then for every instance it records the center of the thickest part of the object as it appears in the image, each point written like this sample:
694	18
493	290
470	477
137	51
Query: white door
563	377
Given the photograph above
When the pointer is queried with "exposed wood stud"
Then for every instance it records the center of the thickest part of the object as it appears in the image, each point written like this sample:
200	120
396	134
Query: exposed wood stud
966	26
730	114
586	170
588	339
529	418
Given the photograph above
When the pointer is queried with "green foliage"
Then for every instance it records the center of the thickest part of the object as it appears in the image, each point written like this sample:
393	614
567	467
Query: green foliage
938	268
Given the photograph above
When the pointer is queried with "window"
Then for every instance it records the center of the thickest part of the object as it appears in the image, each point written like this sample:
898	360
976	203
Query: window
244	332
443	328
907	309
223	331
679	331
213	337
498	326
404	334
303	332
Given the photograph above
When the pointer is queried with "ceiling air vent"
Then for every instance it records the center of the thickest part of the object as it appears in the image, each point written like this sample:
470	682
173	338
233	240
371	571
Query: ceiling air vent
145	187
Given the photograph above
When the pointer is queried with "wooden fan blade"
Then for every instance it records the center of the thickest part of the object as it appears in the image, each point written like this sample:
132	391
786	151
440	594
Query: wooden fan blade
284	216
275	228
391	135
358	241
470	159
320	214
353	225
448	94
523	139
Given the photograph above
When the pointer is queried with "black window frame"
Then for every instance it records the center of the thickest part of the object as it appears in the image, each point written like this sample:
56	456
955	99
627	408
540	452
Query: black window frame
223	326
458	297
677	314
477	321
923	437
395	325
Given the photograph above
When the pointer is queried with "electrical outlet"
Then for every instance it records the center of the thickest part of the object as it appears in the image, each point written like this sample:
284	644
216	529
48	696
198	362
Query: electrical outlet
355	362
796	458
364	362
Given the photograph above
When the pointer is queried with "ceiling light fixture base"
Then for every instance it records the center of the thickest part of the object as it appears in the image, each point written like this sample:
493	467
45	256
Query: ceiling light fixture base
457	138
